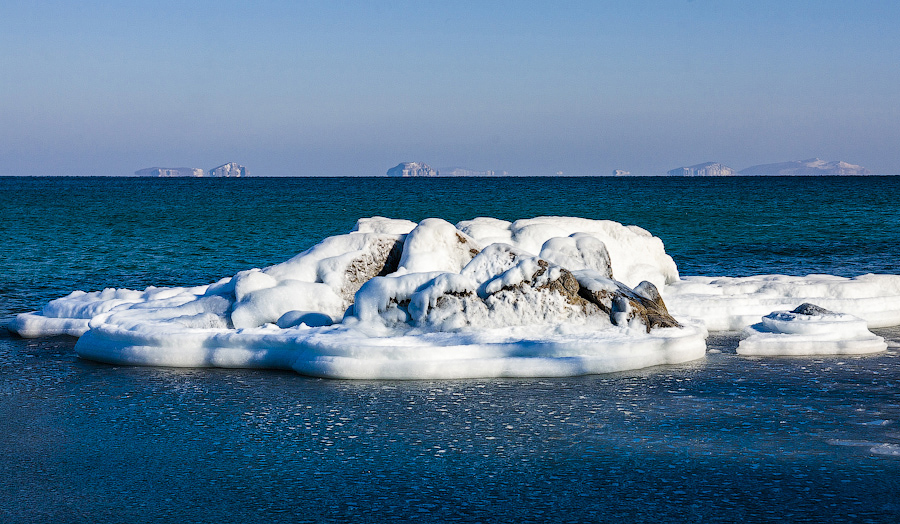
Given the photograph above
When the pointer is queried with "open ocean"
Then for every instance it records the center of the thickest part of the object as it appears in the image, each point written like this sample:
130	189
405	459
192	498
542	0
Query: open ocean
722	439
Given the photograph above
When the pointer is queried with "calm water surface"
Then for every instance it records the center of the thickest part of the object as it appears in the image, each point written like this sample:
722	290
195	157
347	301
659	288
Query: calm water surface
722	439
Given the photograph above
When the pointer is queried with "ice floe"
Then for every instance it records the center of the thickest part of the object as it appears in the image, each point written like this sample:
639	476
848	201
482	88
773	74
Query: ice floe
809	330
733	303
547	296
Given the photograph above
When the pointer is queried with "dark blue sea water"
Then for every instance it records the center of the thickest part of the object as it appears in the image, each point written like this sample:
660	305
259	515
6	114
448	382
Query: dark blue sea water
723	439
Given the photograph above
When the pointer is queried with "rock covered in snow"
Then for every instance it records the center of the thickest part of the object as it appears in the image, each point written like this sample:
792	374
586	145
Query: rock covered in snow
437	245
410	169
324	278
624	305
809	330
812	166
396	299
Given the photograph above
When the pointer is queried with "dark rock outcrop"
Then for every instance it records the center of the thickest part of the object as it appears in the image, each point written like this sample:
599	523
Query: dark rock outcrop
811	309
623	304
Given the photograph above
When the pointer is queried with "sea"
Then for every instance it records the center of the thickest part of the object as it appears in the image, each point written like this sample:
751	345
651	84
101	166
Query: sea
721	439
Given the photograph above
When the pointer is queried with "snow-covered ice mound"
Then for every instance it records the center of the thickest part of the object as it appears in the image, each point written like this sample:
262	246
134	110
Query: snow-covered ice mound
548	296
733	303
809	330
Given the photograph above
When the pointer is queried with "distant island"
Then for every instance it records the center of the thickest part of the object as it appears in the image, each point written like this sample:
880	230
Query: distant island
230	169
810	167
409	169
813	166
421	169
705	169
463	171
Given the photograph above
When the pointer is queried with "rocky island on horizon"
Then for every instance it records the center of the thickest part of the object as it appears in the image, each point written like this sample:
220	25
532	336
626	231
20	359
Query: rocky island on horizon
704	169
421	169
812	166
229	170
809	167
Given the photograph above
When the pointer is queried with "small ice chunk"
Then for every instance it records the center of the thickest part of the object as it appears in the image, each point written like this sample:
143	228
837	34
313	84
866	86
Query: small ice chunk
809	330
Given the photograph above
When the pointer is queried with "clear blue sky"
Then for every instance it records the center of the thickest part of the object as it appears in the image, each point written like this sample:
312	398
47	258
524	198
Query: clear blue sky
353	88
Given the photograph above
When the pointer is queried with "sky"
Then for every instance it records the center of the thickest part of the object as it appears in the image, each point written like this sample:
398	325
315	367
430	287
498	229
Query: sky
345	88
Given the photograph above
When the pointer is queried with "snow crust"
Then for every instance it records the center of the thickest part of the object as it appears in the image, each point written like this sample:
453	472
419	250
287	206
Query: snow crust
635	254
733	303
824	333
395	299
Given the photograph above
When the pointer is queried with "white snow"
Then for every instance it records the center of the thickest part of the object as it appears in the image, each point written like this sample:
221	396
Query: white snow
398	299
733	303
825	333
353	351
71	314
635	254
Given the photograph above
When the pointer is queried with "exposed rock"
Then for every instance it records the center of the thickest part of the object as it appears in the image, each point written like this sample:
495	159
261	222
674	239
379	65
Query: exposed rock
324	278
812	166
410	169
382	258
705	169
503	286
230	169
811	309
560	281
623	303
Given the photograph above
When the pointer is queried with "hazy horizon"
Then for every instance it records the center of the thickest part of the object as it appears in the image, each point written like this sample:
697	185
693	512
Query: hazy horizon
349	88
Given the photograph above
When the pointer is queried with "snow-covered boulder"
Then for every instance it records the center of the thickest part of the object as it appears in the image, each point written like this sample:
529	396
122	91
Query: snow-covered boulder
809	330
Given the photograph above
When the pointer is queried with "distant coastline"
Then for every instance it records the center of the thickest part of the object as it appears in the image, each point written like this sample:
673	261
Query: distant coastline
227	170
809	167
